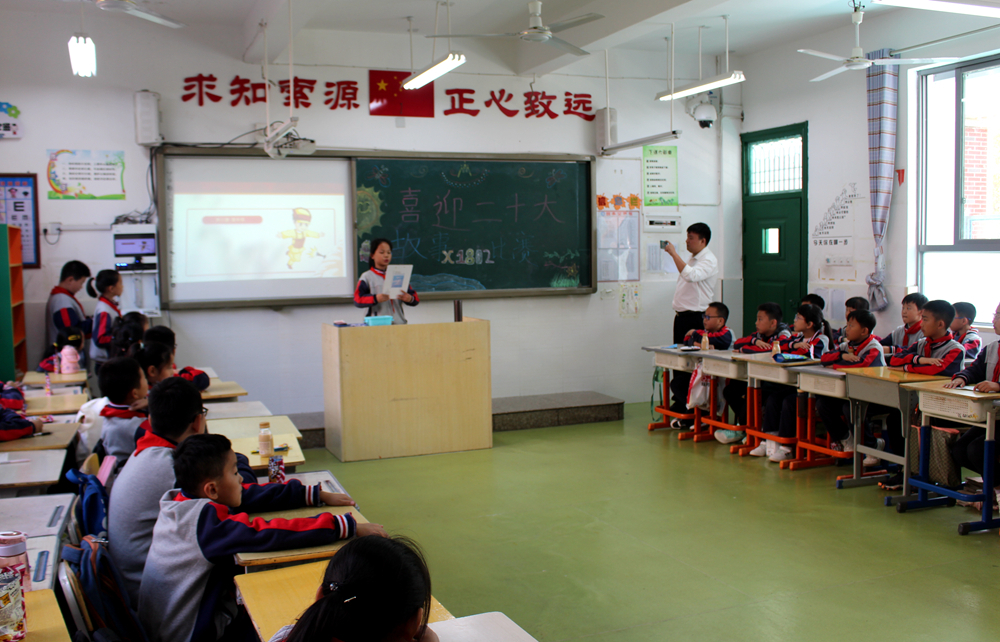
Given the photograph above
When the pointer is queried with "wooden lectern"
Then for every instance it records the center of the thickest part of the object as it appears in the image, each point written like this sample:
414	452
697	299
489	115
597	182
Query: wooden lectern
400	390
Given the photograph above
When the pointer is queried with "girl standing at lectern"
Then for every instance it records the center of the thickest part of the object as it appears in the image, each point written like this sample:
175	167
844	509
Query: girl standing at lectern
368	293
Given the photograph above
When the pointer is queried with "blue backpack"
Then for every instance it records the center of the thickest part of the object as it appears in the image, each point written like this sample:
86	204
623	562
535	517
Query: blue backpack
92	509
104	591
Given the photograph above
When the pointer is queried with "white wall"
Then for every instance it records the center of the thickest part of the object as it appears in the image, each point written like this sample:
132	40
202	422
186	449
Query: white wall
539	345
778	92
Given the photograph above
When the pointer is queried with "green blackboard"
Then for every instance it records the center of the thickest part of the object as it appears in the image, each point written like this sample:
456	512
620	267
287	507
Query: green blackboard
479	225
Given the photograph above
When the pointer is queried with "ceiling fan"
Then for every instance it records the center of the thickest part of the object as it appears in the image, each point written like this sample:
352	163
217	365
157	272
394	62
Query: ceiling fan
857	58
132	9
538	32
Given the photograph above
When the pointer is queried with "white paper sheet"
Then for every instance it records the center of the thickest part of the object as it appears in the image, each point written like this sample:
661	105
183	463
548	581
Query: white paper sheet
397	280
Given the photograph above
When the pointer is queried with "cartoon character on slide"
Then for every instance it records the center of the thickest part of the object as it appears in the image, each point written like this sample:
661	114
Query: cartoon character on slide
302	218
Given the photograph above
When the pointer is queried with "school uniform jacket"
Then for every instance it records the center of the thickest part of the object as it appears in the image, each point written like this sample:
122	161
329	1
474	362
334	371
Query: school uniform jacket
134	505
746	344
946	348
186	594
721	340
870	351
820	343
120	431
199	378
104	322
904	337
64	311
972	343
986	367
14	426
369	285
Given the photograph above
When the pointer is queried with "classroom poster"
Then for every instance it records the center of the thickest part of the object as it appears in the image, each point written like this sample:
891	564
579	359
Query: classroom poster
19	206
84	174
618	245
659	175
629	300
10	127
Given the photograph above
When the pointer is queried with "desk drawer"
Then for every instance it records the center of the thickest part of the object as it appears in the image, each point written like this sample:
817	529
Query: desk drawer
674	361
727	369
827	386
772	373
948	406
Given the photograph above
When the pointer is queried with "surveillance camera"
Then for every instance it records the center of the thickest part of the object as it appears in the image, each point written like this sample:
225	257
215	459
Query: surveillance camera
705	114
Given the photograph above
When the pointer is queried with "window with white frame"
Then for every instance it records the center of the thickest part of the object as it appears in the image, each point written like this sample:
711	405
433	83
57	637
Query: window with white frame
958	183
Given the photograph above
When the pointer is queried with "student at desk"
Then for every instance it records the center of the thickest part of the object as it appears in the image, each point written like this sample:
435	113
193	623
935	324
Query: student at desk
163	334
769	329
368	293
984	374
720	337
186	593
374	590
14	426
911	331
121	380
853	304
961	327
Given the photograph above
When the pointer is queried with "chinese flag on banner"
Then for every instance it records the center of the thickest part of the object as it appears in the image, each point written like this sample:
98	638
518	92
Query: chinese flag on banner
386	96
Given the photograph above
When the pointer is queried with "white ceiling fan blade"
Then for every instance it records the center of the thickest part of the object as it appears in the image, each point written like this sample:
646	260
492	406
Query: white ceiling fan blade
556	27
565	46
910	61
829	74
152	16
476	35
820	54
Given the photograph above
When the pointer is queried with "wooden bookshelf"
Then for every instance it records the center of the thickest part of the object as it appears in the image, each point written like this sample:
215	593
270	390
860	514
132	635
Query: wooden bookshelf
13	339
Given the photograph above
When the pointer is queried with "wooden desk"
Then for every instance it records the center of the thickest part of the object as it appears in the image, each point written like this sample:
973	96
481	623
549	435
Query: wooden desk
293	456
816	381
277	598
238	428
37	379
236	409
270	559
218	389
763	367
55	405
976	409
721	365
436	398
477	628
62	435
880	386
43	554
44	619
42	470
324	477
209	371
36	516
682	360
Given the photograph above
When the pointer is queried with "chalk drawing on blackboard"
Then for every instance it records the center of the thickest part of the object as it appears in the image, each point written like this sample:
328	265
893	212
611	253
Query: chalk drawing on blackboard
443	283
369	209
555	177
464	176
379	173
522	172
419	172
569	270
365	251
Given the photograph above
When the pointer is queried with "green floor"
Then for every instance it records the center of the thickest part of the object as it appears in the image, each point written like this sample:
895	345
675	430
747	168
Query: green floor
607	532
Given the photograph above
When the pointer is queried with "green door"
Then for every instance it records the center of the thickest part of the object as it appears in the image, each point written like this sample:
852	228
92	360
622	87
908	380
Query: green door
775	216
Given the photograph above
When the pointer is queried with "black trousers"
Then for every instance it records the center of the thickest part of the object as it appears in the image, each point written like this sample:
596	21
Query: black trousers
969	448
831	412
780	411
679	381
735	394
895	442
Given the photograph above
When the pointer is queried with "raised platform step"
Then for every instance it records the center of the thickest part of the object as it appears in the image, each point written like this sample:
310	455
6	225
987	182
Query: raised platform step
558	409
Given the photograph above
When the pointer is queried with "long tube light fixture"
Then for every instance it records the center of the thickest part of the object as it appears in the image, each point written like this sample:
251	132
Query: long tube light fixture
82	55
984	8
639	142
435	70
708	84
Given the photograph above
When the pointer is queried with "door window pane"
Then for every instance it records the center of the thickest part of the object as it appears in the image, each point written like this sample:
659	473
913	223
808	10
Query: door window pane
776	166
940	186
772	240
981	154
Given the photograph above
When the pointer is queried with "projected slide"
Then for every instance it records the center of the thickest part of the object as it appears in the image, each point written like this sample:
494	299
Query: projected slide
258	229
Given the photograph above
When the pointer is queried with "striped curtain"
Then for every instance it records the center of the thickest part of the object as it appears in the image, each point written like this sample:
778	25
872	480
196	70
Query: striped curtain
883	85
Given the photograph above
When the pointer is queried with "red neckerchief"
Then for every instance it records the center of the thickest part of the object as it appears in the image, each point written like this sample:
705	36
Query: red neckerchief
913	329
378	272
152	440
858	348
121	412
61	290
996	372
932	343
721	332
962	338
112	304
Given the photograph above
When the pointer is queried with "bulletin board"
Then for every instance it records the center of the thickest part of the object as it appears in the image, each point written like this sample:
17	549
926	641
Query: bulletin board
19	206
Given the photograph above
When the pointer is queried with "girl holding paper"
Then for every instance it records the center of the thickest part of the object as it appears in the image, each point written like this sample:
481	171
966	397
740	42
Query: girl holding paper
369	291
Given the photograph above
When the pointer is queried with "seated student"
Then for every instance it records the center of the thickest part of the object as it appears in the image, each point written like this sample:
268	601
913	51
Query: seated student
851	305
63	310
961	327
780	405
814	299
186	593
984	374
720	337
137	318
859	350
157	364
165	335
911	331
13	425
125	335
389	581
66	350
122	382
769	329
936	353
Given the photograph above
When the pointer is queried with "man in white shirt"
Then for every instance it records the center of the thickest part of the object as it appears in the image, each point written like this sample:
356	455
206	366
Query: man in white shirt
695	288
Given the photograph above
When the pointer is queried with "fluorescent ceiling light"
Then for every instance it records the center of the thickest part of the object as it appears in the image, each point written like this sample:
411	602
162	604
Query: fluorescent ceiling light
438	68
638	142
985	8
82	55
708	84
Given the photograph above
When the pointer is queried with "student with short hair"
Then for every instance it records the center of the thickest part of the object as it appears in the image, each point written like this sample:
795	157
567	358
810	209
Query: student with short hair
375	589
163	334
106	288
720	337
186	593
961	327
122	382
814	299
769	329
63	310
850	305
911	331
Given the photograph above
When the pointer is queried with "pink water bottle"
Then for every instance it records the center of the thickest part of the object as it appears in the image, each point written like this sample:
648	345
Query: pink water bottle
14	554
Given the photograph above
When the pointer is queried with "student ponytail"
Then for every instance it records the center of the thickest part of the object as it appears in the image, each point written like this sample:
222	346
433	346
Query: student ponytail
371	587
66	337
812	314
105	279
151	354
124	335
